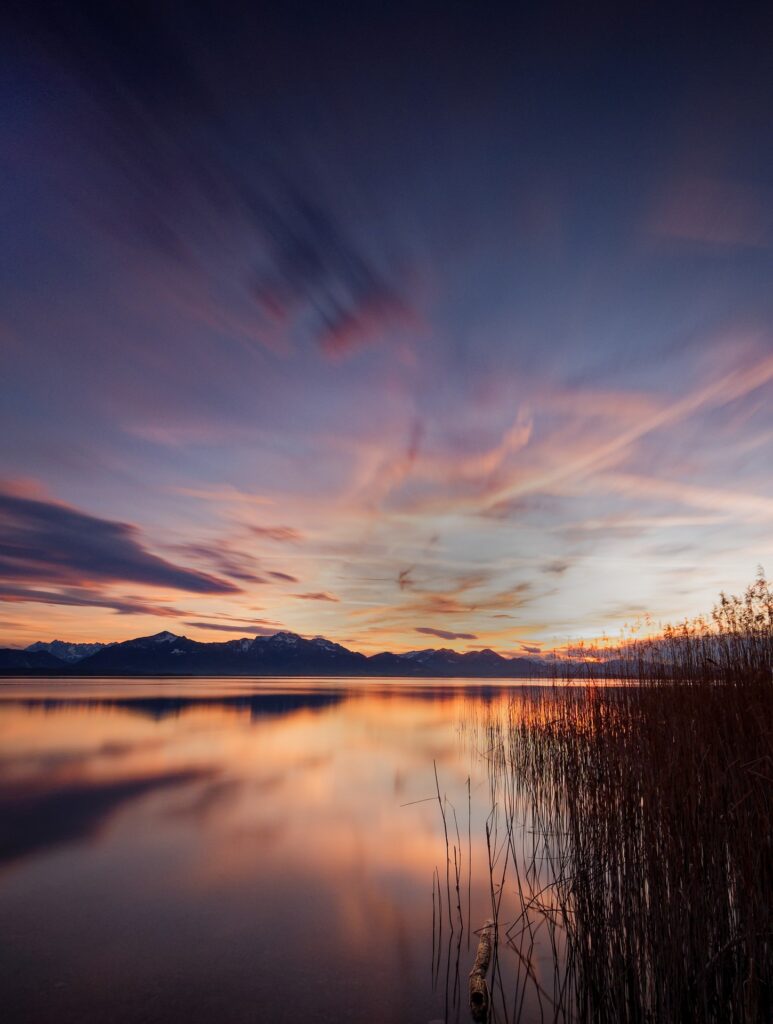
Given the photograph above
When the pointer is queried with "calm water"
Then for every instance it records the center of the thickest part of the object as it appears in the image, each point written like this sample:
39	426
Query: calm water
238	851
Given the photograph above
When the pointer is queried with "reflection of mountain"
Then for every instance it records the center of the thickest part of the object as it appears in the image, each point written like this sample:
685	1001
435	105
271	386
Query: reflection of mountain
283	654
35	818
266	705
259	705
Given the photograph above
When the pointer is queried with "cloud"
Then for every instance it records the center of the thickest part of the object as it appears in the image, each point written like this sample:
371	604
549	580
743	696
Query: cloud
739	504
404	579
722	390
351	329
425	471
301	265
80	597
250	630
236	564
317	596
282	534
557	567
284	576
453	603
531	650
315	274
228	495
56	543
445	634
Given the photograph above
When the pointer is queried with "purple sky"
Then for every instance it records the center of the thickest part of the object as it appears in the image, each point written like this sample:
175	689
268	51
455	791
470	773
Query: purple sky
427	327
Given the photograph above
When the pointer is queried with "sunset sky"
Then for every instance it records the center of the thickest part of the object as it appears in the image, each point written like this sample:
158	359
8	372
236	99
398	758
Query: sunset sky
420	328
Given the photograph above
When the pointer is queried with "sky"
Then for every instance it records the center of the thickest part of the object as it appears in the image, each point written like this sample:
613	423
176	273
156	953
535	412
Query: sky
408	325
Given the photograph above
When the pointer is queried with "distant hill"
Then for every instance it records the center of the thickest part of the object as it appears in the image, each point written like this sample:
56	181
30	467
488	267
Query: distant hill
283	654
280	654
445	662
17	662
66	651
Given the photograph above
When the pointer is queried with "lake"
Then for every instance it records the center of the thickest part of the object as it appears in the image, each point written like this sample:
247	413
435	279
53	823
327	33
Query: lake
231	850
333	850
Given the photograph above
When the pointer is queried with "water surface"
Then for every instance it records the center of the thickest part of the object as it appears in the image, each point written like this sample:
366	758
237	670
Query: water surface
230	850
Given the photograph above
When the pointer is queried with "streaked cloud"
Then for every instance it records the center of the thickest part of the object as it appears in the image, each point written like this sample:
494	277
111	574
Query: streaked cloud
252	629
312	266
222	557
281	534
445	634
83	597
56	543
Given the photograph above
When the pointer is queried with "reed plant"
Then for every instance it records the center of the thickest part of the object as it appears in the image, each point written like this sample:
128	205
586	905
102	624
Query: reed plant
632	825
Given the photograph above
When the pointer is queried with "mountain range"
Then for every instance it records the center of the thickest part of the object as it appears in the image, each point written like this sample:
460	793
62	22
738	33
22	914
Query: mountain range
283	654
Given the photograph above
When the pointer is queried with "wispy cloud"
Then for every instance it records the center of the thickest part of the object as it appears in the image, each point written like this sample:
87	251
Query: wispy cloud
227	561
314	272
722	390
714	501
83	597
56	543
250	630
462	603
445	634
281	534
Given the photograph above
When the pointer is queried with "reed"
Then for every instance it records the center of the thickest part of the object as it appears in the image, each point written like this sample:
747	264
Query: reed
634	826
732	645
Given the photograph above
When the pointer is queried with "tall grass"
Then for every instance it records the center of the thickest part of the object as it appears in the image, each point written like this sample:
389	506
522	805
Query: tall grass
733	644
633	825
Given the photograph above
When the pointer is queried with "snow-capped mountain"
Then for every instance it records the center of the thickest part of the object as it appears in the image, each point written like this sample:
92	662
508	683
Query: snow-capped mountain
66	651
282	654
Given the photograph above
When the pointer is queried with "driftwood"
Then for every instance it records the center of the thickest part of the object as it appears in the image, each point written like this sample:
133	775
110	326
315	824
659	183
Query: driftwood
479	997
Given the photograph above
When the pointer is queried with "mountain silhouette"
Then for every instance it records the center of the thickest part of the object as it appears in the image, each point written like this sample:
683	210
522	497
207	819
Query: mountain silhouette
283	654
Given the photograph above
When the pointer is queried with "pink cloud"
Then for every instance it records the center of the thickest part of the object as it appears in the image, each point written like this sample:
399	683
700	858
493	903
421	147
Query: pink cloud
282	534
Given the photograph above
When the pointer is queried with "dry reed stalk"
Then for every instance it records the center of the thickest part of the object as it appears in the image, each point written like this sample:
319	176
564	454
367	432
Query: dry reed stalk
639	823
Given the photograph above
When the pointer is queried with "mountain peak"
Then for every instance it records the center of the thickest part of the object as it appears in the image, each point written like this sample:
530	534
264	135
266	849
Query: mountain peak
283	653
284	637
67	652
164	637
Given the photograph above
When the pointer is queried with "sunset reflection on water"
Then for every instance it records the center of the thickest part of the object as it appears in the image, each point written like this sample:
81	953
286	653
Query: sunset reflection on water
234	851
